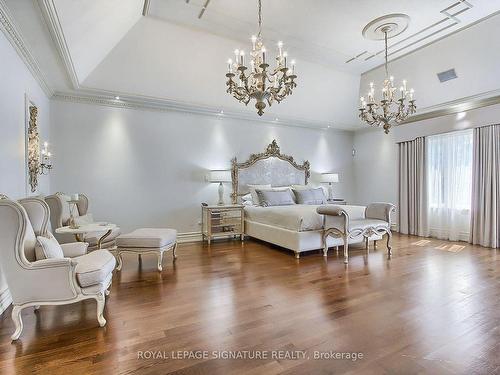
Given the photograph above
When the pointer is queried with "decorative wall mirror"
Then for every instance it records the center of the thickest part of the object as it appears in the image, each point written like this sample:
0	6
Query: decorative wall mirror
32	146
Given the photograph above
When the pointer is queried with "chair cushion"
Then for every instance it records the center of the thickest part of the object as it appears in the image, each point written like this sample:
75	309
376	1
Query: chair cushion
365	223
47	247
93	268
148	238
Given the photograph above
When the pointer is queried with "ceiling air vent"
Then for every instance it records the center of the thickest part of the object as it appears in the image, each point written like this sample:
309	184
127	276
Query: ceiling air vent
447	76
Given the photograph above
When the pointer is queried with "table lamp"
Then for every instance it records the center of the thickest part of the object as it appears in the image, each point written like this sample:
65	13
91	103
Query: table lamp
330	178
220	176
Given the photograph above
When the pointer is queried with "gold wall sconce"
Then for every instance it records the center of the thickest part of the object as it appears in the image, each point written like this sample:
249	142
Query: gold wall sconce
39	161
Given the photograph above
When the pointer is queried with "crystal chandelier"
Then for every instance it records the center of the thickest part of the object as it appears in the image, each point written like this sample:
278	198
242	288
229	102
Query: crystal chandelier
392	109
260	83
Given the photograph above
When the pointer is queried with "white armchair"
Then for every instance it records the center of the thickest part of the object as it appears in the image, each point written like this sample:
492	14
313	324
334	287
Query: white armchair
59	217
53	281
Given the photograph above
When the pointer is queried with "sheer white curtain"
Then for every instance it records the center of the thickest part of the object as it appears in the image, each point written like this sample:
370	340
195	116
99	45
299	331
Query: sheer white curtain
449	185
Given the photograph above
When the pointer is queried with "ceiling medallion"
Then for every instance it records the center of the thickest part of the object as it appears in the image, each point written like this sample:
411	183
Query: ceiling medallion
259	83
390	110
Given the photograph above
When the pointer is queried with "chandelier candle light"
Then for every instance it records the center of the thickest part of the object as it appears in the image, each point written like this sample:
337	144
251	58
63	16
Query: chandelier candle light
260	83
393	107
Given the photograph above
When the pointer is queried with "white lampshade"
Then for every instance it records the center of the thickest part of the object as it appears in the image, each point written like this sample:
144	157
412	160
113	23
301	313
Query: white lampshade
219	176
329	177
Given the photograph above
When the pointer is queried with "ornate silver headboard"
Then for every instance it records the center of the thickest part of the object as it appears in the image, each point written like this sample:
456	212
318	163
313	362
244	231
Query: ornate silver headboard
269	167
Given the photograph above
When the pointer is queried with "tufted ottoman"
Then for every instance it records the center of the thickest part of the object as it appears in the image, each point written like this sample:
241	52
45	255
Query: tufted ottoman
147	240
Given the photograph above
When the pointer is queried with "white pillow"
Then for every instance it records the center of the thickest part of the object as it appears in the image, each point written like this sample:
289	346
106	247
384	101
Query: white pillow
273	197
252	189
84	219
246	197
47	247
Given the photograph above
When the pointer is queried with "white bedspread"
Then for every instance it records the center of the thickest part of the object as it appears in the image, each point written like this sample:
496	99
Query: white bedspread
297	217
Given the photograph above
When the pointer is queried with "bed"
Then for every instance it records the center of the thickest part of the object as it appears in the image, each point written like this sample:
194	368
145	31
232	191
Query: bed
295	227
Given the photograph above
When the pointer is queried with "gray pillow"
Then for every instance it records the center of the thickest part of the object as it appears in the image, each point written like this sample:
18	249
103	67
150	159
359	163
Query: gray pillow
310	196
268	198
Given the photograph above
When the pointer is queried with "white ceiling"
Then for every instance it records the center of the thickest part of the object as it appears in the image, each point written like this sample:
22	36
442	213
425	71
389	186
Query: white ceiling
92	28
109	48
326	31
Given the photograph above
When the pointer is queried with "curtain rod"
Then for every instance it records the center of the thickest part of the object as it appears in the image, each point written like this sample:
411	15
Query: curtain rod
447	132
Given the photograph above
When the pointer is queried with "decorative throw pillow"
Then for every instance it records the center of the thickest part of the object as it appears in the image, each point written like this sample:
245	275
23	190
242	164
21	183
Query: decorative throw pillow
252	189
285	188
310	196
247	199
309	187
268	198
84	219
47	247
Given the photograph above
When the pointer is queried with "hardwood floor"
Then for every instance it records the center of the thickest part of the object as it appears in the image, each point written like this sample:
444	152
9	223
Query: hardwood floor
433	308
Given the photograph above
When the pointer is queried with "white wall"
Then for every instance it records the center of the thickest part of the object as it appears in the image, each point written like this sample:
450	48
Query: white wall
147	168
376	160
16	81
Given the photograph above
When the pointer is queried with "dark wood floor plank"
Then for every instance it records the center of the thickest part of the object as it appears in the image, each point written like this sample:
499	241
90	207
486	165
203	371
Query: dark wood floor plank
434	308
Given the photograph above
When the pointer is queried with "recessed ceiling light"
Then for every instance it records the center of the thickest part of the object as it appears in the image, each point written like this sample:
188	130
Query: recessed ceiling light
117	97
328	126
276	119
221	112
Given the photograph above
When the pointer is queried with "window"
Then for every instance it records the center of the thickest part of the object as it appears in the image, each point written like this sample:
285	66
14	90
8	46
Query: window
449	184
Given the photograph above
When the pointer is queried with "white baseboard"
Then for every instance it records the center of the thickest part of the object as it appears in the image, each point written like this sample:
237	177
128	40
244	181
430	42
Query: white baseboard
5	300
189	237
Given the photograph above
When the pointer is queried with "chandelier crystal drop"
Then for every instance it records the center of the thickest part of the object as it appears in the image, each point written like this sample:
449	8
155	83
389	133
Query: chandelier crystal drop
260	83
394	107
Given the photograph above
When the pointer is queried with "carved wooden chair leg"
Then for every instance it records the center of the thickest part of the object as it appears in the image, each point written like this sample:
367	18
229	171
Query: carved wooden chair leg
297	255
18	322
107	292
119	261
375	244
325	246
366	243
160	261
174	253
346	249
101	301
389	247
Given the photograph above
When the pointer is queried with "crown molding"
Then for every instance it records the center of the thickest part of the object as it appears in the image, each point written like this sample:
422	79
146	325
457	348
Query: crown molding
53	22
455	106
127	101
14	36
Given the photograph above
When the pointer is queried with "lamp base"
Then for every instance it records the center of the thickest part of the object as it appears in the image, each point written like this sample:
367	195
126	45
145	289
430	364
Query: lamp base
330	191
221	195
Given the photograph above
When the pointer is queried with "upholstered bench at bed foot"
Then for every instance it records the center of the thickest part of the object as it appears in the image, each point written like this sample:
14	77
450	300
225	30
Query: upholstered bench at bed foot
147	240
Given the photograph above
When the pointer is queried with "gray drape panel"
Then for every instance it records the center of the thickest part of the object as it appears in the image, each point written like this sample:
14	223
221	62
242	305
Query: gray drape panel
485	223
412	188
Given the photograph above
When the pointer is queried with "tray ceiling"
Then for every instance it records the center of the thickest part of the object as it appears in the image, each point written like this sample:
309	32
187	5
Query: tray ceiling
171	56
